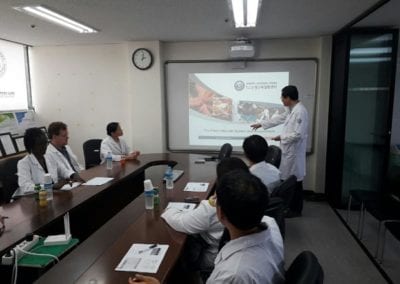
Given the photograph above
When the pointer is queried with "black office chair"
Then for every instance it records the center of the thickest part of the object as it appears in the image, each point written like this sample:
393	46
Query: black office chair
286	191
225	151
276	210
305	269
91	152
8	177
274	155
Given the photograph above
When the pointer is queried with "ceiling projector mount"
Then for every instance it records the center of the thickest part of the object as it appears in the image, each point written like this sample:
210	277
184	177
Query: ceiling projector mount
242	48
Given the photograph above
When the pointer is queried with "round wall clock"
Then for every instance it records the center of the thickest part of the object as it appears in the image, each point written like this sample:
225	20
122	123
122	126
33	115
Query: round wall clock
142	58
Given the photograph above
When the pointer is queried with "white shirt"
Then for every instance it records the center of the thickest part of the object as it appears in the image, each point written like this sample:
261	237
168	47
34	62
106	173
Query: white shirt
267	173
57	157
254	258
293	140
117	149
202	220
30	172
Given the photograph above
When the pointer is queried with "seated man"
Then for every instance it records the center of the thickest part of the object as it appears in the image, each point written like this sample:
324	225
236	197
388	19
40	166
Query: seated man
255	149
58	150
255	252
203	221
33	167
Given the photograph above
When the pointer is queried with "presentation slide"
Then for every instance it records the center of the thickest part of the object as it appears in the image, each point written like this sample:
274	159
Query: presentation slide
222	106
210	103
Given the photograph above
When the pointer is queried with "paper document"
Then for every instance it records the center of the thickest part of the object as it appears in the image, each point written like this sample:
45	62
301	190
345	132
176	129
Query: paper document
143	258
183	206
196	186
98	181
70	186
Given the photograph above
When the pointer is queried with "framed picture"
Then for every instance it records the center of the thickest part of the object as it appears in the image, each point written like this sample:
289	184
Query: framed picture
7	145
19	143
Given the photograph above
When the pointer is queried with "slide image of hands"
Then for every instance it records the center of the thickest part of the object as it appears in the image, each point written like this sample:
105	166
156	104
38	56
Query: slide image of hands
209	103
249	111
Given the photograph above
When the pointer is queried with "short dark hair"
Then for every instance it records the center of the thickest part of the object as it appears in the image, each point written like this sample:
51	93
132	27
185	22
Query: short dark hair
243	199
255	148
229	164
112	127
55	128
31	137
291	92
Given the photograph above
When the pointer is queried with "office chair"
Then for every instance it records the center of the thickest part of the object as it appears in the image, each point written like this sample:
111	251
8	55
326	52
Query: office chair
274	155
8	177
276	210
305	269
91	152
225	151
286	191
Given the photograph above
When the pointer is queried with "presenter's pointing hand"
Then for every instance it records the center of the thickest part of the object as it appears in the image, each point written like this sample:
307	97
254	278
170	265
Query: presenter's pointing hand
255	126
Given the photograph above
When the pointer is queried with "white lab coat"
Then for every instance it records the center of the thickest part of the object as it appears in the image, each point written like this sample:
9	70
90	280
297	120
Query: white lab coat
57	157
202	220
293	140
30	172
267	173
117	149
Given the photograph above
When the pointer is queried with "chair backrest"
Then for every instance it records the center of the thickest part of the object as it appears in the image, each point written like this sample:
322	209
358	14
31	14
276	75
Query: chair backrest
276	210
225	151
8	177
305	269
91	152
274	156
285	190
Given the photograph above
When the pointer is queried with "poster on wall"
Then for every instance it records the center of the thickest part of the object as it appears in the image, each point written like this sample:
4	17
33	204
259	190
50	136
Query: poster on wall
17	122
13	90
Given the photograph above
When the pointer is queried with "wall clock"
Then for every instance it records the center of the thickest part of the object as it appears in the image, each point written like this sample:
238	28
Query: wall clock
142	58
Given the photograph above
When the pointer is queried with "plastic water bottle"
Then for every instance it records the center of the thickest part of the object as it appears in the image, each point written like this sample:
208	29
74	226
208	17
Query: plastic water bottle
169	178
48	186
148	194
109	163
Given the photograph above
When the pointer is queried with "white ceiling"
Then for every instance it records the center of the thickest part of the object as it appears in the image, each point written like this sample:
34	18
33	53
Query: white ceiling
183	20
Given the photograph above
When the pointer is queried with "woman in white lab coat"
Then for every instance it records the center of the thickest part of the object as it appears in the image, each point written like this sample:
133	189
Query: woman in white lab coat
117	146
33	167
293	141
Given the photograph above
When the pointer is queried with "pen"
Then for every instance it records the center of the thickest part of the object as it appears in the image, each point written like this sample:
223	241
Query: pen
149	248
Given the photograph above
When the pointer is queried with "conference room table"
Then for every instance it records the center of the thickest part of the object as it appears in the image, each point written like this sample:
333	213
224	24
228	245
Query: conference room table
109	218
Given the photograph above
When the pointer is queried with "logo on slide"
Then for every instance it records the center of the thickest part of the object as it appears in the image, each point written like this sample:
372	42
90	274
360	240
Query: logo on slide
3	64
239	85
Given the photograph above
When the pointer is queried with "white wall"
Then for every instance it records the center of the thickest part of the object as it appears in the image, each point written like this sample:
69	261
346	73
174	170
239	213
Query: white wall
89	86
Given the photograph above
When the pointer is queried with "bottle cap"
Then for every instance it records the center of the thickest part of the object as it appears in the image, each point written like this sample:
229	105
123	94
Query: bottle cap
48	179
148	185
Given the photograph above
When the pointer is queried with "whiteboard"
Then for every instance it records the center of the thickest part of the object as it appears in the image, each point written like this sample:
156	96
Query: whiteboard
181	75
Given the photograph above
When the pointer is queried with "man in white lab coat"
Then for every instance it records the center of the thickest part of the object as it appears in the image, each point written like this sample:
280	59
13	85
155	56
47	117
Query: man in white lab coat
293	141
58	150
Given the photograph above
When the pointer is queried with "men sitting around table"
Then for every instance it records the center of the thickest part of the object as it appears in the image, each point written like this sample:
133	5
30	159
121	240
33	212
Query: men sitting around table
203	248
255	252
33	167
58	149
116	145
255	149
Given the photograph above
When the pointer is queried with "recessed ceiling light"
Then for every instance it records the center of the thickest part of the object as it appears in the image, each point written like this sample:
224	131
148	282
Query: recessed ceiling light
54	17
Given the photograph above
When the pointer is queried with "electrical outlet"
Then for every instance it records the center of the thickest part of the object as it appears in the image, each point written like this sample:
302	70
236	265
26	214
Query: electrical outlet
25	245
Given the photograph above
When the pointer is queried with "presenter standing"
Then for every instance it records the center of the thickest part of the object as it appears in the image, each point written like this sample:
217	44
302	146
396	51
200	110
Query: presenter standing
293	140
116	145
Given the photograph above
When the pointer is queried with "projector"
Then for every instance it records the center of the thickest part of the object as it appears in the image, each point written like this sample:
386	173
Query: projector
242	49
